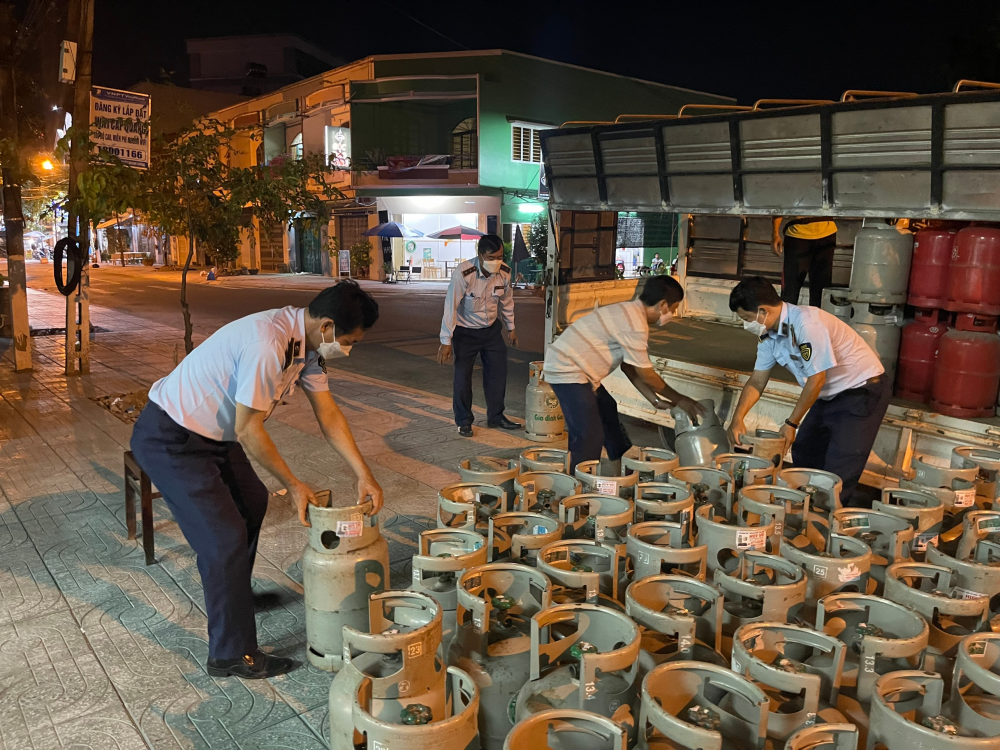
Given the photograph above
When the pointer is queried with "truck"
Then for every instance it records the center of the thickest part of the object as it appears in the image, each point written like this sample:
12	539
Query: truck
726	174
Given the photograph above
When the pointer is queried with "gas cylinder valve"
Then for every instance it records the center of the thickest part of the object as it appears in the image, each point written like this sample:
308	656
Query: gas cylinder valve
704	717
941	724
416	713
700	491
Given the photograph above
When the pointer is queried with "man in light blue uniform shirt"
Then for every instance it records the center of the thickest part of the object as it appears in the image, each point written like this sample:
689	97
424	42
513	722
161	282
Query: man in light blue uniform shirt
845	393
479	297
202	420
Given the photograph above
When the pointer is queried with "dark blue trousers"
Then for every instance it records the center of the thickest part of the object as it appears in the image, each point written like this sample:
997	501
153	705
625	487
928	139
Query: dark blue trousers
838	435
219	502
592	422
488	344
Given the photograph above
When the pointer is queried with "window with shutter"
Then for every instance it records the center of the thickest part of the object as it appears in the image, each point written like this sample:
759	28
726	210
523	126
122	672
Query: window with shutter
526	145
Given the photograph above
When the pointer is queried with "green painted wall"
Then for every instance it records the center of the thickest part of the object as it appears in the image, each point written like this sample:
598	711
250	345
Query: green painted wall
519	87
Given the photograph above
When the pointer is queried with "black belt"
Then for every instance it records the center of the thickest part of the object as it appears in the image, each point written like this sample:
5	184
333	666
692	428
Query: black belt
870	382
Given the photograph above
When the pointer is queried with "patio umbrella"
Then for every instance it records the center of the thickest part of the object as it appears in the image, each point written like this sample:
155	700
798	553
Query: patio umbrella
520	248
392	229
457	233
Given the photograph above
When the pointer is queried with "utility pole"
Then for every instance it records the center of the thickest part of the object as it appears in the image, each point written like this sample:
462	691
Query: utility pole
12	214
81	29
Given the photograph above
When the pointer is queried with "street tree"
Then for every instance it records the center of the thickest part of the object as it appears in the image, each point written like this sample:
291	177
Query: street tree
538	237
192	190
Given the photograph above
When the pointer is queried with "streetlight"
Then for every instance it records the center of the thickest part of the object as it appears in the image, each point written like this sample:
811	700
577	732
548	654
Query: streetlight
47	165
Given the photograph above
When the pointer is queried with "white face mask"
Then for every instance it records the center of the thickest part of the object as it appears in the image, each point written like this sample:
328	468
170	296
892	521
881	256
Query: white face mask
755	327
665	317
491	266
332	349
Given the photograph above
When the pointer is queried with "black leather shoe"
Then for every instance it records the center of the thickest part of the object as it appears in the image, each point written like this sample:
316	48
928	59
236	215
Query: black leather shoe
505	424
258	666
465	430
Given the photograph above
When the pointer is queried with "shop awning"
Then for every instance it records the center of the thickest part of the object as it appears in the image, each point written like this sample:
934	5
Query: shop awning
121	219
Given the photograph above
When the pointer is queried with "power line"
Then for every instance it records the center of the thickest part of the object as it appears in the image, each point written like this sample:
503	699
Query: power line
421	23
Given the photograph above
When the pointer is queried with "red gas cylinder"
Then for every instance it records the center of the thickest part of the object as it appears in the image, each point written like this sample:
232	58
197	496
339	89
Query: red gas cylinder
967	375
929	267
918	351
974	273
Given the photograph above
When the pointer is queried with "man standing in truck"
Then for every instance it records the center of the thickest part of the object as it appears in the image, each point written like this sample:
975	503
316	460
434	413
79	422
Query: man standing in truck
845	392
807	247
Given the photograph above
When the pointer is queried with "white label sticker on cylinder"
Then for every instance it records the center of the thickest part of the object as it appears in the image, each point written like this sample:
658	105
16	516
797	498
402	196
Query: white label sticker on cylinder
959	593
849	573
350	528
606	486
920	541
750	538
965	498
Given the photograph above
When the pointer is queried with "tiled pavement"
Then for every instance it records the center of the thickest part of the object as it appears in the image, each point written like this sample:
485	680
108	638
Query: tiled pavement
99	651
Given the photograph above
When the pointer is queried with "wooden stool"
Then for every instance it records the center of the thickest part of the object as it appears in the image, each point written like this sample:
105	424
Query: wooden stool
136	479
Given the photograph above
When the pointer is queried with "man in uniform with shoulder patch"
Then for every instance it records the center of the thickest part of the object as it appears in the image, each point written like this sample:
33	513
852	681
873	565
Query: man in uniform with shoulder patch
205	417
845	392
478	306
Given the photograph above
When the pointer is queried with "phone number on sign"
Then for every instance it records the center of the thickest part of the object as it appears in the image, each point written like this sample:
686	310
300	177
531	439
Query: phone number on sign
125	153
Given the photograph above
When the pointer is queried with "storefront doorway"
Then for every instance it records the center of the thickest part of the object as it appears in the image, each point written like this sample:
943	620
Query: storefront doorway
307	245
272	250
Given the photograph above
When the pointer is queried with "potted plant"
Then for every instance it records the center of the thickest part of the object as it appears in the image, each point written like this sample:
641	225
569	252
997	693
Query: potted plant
361	258
147	260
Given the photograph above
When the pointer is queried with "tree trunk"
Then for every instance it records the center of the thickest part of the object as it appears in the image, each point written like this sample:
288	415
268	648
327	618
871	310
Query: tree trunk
118	236
185	309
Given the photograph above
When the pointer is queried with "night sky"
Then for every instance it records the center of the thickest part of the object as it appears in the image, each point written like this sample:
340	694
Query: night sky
748	50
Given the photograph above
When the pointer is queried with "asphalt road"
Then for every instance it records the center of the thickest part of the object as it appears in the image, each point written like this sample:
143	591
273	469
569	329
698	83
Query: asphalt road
400	348
154	295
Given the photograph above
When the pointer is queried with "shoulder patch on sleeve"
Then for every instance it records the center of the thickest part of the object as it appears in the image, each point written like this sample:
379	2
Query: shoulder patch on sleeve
505	267
806	351
469	270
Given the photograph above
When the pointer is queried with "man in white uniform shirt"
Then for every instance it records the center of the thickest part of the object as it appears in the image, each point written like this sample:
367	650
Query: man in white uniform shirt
845	392
595	346
202	420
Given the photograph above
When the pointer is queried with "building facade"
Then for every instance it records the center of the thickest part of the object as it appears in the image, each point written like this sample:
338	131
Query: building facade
429	140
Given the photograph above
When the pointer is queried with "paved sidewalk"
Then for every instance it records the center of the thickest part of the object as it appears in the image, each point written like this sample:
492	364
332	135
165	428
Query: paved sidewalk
99	651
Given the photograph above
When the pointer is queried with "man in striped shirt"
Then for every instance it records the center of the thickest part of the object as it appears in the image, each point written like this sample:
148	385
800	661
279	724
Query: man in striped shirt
595	346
